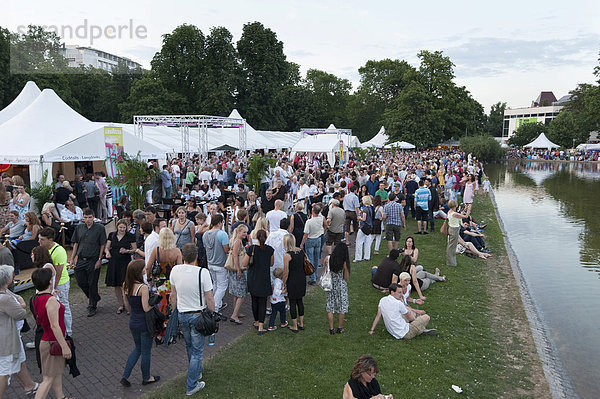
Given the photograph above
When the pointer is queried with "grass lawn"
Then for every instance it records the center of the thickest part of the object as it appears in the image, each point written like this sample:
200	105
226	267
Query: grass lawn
484	345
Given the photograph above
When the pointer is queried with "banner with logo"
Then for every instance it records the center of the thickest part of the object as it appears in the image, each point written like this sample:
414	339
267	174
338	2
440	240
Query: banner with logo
113	142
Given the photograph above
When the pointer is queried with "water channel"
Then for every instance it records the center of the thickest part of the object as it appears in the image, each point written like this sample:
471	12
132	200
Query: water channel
551	214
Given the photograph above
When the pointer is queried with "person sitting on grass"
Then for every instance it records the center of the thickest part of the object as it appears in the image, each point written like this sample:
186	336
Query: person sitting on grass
387	272
470	250
398	320
404	281
362	383
468	234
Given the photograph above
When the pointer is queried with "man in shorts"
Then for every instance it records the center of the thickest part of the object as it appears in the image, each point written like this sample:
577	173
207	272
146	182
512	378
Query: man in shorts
422	199
393	214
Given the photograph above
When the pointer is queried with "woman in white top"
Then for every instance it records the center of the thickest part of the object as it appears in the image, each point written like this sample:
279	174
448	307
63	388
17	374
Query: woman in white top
454	219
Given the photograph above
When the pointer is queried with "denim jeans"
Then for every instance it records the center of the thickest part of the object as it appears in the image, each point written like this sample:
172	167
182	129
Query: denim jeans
62	293
312	246
277	307
143	346
194	345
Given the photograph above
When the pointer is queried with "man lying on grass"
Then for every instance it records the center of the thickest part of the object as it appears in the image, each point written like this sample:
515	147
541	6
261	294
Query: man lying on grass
399	321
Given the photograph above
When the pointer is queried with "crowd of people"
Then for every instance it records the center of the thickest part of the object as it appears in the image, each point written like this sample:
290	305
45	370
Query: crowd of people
248	242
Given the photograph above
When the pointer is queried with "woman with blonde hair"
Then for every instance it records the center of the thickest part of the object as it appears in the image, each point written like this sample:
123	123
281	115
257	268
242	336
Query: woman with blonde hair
261	224
158	268
454	219
238	279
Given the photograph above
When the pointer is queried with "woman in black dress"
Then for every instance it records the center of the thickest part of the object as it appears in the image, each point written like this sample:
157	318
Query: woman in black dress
259	278
299	219
295	280
119	247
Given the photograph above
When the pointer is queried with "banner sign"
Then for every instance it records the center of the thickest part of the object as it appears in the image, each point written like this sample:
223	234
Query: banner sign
113	142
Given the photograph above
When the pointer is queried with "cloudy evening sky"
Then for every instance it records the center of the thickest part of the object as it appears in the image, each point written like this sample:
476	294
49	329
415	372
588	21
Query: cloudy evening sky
503	51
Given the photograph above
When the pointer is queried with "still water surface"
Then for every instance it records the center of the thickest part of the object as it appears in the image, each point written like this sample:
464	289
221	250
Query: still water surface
551	213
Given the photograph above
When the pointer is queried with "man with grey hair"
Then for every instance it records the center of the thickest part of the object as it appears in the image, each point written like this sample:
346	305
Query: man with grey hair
335	224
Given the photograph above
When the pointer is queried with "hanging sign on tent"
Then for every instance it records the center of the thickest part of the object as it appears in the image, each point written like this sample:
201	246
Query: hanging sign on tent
113	141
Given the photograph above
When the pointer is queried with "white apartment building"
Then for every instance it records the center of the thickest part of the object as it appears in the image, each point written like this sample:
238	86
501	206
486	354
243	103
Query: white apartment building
88	56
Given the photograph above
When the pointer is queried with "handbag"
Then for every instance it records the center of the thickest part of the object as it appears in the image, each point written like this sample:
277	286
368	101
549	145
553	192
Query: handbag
55	348
208	322
444	228
308	267
156	269
325	281
230	265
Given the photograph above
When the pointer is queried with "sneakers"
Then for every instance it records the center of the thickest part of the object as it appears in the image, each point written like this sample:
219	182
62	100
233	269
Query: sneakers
91	312
211	342
125	383
287	309
272	328
269	310
223	306
199	386
30	345
431	331
284	324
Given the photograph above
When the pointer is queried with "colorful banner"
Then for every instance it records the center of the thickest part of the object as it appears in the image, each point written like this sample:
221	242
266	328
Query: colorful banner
523	121
113	141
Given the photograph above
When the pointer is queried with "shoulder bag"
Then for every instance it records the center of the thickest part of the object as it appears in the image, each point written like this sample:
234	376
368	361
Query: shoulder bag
230	265
156	269
208	322
444	228
309	268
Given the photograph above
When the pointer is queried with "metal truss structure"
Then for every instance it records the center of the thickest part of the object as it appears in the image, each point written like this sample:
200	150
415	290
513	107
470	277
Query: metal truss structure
339	132
200	122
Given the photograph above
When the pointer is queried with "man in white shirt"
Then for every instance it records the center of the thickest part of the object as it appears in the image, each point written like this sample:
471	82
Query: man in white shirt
151	240
190	299
71	213
312	242
275	216
205	175
399	322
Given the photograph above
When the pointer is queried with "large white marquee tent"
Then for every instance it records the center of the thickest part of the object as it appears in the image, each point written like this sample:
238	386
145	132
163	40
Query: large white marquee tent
380	140
541	142
28	95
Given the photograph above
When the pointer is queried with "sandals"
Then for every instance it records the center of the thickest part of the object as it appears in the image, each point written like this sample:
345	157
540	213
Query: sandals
332	332
234	321
33	391
156	379
120	310
339	330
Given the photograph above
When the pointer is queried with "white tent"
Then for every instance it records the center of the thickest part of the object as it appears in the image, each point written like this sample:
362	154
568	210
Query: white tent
28	95
588	147
91	147
319	143
378	141
403	145
541	142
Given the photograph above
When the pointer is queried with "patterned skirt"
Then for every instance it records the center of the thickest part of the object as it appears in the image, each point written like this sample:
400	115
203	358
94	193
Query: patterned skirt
337	298
238	287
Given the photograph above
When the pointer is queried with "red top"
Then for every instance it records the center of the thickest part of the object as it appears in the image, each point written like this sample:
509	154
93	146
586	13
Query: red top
39	305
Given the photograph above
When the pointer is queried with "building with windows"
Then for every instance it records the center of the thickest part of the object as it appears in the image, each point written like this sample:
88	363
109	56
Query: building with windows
87	56
543	110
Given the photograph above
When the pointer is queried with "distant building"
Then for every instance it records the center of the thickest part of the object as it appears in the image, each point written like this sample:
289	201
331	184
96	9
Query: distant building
87	56
543	110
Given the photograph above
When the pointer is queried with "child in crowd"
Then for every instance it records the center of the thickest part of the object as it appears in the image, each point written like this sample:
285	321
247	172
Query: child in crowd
277	300
486	186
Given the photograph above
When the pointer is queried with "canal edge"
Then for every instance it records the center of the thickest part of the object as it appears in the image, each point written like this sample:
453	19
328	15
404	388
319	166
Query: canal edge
558	379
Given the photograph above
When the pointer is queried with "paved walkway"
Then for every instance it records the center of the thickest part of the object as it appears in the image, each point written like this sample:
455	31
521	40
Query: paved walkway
103	344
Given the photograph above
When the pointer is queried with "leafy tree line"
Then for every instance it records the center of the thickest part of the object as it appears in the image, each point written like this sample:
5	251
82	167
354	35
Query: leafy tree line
198	73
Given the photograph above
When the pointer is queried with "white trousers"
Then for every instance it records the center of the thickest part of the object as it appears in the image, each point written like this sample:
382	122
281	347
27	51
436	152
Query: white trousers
363	240
220	279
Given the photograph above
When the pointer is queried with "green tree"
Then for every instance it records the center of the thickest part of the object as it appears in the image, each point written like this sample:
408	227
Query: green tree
180	65
526	133
380	82
36	51
149	97
495	120
257	169
330	96
413	117
263	73
219	80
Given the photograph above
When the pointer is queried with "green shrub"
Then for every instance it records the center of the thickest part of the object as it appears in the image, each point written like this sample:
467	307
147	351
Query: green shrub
484	148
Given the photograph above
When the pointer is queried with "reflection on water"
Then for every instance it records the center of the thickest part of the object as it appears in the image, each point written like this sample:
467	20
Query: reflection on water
551	212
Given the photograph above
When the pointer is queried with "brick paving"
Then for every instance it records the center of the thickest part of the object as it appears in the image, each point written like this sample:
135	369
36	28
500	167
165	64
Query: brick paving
103	343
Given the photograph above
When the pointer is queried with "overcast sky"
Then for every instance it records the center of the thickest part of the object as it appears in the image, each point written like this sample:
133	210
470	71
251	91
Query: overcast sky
503	51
